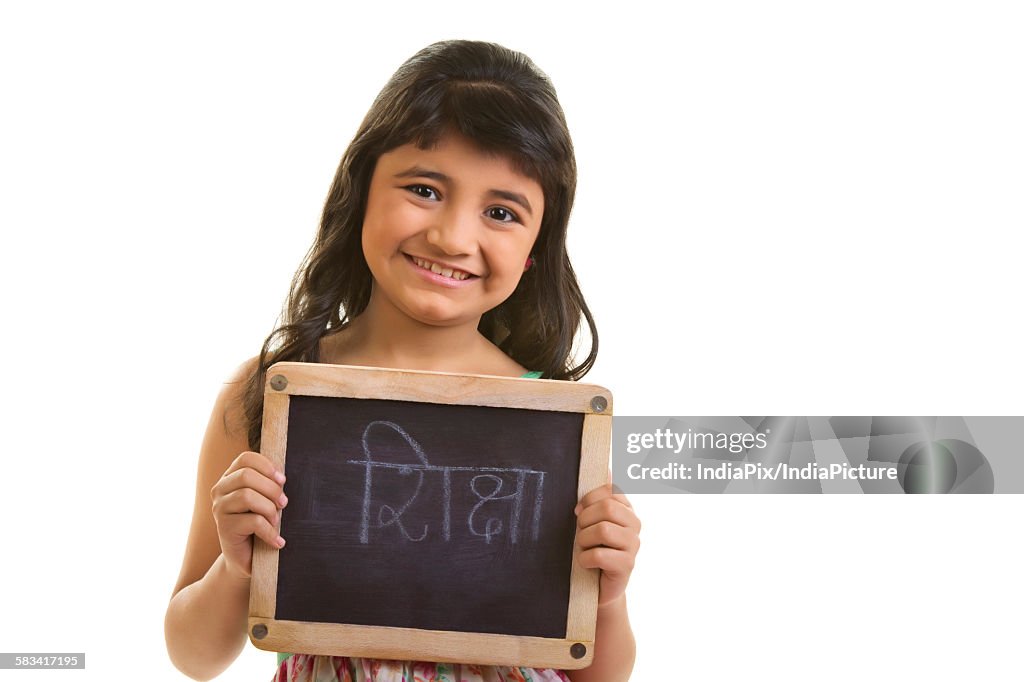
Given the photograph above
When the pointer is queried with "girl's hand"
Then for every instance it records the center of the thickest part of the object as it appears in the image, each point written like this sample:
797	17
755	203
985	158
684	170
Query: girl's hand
608	533
247	501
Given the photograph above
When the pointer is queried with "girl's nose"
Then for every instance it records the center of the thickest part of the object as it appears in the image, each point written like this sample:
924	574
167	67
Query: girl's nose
454	233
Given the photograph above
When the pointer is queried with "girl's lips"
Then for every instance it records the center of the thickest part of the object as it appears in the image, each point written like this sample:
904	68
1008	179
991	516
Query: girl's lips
429	264
438	278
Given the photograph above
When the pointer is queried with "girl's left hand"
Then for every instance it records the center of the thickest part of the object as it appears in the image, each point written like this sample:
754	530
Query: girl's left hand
608	533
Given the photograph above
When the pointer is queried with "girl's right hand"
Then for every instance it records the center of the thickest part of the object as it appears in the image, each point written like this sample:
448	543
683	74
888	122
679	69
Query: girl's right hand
247	501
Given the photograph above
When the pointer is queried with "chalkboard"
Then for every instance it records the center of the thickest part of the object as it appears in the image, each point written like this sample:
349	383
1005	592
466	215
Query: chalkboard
430	516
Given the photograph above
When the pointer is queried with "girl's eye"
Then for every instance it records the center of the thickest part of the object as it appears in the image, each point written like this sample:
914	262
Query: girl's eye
423	191
502	215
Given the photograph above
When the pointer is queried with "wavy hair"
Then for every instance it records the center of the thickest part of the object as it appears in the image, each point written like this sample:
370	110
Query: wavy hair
503	103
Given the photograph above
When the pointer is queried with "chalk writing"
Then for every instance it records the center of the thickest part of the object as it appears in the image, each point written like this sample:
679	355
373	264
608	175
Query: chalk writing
485	484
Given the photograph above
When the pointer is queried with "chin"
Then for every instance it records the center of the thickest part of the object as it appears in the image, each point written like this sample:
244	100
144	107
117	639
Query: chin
437	318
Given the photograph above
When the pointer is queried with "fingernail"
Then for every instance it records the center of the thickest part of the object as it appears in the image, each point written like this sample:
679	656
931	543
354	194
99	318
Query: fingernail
279	477
282	501
576	510
279	542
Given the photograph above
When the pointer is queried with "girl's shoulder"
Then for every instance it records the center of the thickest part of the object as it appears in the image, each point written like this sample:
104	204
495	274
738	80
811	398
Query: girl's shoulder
494	361
228	427
233	393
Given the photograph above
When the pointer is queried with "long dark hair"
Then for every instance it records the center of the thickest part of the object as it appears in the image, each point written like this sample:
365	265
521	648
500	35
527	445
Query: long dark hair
502	102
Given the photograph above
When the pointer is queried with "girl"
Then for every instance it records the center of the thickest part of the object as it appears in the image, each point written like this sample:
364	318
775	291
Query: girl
441	247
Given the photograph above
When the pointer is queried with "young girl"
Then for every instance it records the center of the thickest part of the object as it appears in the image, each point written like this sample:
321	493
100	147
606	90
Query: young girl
442	247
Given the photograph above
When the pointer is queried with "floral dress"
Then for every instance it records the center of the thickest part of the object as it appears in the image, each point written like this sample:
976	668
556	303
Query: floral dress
310	668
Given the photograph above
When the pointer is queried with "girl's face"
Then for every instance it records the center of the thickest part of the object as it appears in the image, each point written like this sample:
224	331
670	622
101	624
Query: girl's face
448	230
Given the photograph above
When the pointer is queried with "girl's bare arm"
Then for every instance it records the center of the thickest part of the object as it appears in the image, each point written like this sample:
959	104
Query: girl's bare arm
609	537
614	649
205	624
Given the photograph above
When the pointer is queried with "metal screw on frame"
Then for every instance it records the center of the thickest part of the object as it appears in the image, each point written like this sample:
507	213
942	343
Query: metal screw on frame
259	631
599	403
278	382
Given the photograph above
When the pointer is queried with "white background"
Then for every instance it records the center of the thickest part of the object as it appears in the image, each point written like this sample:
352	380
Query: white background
784	208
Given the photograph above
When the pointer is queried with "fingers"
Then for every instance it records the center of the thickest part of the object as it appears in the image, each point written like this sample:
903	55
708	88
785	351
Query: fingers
247	500
242	526
600	493
613	562
252	470
253	480
603	505
257	462
608	534
608	537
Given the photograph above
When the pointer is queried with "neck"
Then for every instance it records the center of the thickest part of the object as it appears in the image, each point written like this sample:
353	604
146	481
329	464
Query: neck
383	336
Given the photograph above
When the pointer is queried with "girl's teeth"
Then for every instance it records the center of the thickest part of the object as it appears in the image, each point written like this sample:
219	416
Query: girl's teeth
437	269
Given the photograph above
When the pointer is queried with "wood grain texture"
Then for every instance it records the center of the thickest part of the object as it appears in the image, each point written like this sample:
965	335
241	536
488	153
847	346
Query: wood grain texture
274	439
583	594
345	381
369	641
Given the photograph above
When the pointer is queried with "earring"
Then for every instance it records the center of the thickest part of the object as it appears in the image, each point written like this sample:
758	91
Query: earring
530	262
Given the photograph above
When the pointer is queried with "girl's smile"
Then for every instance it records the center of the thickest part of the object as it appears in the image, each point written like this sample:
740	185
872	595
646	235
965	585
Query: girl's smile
441	273
447	230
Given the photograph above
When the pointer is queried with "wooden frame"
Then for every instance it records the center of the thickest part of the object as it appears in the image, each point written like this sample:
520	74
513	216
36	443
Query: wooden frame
575	651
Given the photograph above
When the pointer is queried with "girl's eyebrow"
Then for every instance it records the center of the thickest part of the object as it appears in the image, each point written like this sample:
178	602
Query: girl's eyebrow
514	197
421	172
